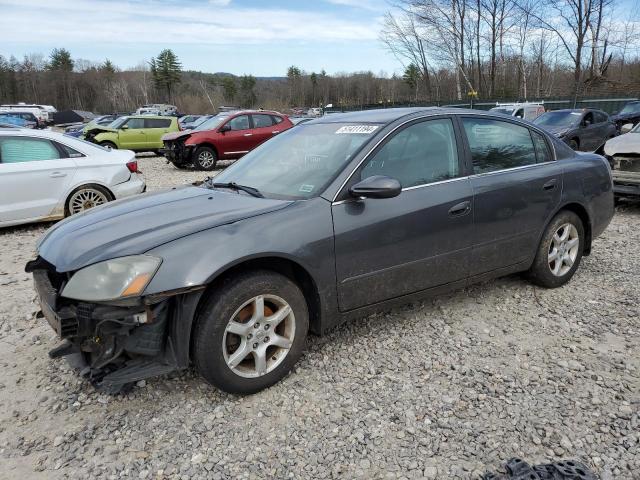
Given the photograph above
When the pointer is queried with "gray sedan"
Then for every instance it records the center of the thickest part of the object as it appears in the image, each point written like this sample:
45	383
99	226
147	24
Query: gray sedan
330	220
582	129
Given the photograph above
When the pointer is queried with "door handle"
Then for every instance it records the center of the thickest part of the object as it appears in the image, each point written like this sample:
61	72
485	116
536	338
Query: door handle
275	131
550	185
459	209
57	174
248	134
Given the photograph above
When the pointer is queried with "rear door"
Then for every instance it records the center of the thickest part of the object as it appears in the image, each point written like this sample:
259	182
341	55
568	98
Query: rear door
516	187
133	136
263	128
237	141
386	248
155	128
34	177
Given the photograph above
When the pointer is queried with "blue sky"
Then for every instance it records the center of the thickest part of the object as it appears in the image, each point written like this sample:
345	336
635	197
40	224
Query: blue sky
236	36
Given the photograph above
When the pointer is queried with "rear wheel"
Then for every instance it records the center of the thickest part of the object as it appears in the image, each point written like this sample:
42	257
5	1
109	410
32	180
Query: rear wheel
205	158
559	252
250	332
86	197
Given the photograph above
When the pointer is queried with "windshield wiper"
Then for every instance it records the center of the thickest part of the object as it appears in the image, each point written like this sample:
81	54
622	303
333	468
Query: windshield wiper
233	185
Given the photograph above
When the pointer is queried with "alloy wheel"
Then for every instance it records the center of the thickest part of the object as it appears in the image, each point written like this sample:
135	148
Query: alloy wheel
206	160
563	249
258	336
86	198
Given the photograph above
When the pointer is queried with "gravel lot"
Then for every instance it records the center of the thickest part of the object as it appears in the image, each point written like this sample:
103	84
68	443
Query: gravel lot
442	389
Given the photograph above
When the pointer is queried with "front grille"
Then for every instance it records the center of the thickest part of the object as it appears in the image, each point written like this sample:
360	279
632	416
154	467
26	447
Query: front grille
627	163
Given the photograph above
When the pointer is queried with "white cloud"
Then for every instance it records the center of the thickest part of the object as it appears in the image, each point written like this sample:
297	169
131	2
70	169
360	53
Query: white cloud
127	23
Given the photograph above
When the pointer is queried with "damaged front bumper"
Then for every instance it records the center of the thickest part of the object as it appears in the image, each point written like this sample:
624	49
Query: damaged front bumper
626	175
117	343
177	152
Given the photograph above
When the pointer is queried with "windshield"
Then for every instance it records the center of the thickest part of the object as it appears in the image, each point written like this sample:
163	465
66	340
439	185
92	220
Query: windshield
211	123
631	108
558	119
118	122
301	162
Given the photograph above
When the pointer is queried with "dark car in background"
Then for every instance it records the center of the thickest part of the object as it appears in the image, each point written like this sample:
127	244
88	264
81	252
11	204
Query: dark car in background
80	129
330	220
228	135
196	122
630	113
582	129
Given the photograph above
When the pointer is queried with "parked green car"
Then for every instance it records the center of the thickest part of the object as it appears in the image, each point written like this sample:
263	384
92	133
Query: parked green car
141	133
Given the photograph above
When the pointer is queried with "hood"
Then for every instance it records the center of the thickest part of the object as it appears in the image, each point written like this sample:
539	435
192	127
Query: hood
167	137
135	225
627	143
100	129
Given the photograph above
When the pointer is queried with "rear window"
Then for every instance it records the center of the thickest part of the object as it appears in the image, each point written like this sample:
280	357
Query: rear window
157	122
261	121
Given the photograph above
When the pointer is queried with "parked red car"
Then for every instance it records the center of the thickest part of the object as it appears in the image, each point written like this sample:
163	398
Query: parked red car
225	136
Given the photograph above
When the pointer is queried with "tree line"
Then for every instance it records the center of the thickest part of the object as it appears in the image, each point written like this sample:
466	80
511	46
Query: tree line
450	50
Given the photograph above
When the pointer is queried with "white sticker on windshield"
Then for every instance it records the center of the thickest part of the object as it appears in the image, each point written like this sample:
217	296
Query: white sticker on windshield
367	129
306	188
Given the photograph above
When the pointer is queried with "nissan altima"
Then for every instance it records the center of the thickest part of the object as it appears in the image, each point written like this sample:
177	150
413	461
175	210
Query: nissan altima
330	220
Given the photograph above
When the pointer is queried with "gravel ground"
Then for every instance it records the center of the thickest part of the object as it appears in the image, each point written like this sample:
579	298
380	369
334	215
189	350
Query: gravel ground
442	389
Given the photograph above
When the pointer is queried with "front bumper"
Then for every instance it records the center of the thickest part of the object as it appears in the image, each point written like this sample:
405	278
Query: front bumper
626	176
120	342
177	152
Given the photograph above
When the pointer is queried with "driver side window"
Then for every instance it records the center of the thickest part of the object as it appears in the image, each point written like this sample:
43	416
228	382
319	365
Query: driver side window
135	123
239	123
422	153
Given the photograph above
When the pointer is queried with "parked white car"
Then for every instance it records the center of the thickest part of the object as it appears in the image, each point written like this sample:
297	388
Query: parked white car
526	111
46	175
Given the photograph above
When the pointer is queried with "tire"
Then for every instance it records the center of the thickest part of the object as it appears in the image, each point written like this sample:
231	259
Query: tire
106	144
549	273
574	143
205	158
215	342
180	166
86	197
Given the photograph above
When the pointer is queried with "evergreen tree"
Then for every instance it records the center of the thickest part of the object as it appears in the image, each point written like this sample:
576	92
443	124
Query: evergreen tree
412	77
248	96
229	88
60	60
166	71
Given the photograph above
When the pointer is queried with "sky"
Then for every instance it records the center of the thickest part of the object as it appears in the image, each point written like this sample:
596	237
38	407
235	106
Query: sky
260	37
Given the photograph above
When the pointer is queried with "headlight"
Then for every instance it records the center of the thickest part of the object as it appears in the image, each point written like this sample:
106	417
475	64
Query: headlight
112	279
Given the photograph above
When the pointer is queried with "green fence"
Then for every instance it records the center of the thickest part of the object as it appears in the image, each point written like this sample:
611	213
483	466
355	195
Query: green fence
609	104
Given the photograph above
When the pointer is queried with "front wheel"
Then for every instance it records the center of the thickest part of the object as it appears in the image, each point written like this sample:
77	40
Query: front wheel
559	252
205	158
250	332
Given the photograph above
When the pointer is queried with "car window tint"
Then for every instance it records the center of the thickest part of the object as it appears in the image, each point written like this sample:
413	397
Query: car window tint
239	123
71	153
157	122
542	149
276	119
422	153
588	118
135	123
601	117
262	121
497	145
24	149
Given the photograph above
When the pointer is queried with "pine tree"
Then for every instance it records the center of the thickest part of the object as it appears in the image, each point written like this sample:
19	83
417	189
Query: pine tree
60	60
248	96
229	88
166	71
412	77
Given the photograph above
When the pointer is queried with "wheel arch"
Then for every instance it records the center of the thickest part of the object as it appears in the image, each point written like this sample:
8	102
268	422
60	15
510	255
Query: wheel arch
288	267
206	144
584	216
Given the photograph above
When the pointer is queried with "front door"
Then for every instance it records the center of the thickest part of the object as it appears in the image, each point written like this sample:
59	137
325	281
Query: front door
34	178
132	135
237	141
387	248
516	186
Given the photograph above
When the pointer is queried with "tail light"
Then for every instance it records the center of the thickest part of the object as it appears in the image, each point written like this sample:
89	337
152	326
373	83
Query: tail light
133	167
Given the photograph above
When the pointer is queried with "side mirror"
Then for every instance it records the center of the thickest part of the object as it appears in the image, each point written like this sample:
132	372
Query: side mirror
224	128
124	127
626	128
377	186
